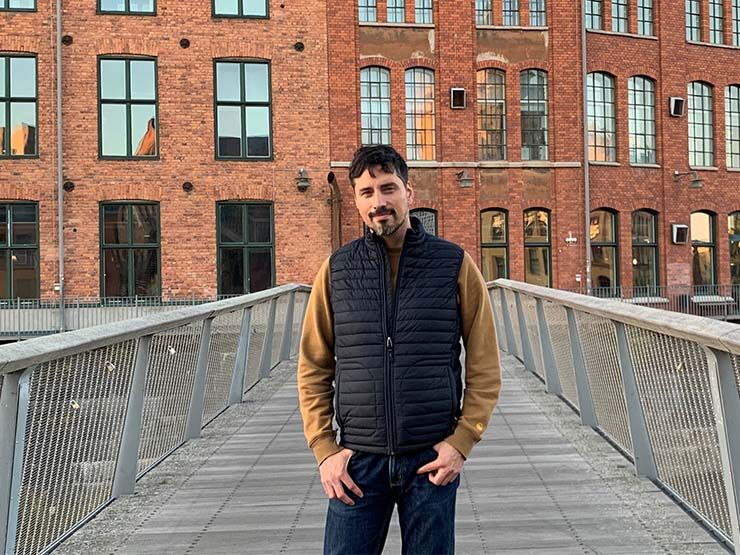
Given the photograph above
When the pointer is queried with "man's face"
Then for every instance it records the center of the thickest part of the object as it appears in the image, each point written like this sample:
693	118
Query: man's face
383	201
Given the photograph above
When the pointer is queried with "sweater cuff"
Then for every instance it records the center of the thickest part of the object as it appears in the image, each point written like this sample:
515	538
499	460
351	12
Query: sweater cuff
324	448
462	441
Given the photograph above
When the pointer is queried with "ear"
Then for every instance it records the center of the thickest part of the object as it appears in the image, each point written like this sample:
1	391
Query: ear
409	193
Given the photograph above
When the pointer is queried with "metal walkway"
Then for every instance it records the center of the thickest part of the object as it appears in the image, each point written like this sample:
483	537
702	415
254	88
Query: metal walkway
539	483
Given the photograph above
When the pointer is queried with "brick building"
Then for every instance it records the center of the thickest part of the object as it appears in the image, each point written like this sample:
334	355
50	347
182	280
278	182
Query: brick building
198	138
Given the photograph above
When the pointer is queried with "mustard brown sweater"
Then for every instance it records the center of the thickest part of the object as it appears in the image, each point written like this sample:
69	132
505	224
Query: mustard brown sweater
316	364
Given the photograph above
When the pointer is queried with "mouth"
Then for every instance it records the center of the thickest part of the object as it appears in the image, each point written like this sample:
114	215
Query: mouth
384	214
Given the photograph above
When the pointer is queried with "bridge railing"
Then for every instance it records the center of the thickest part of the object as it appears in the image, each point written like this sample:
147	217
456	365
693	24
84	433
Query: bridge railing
84	414
663	387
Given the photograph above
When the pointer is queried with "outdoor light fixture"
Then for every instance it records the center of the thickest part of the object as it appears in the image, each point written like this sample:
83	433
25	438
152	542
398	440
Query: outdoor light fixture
302	181
68	186
695	181
187	186
463	179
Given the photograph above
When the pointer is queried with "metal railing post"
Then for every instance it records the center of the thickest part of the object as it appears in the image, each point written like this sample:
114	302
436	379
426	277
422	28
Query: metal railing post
642	449
508	328
8	417
197	399
552	376
288	328
127	461
585	401
726	402
240	361
266	357
297	347
526	347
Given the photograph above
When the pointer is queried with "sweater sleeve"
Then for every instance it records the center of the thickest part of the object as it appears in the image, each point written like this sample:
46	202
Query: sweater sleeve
482	364
316	369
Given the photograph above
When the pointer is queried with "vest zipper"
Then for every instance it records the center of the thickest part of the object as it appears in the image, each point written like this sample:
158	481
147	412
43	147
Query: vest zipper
388	358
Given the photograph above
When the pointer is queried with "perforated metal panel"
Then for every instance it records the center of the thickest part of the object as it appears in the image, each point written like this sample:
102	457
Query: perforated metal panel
601	356
673	381
258	325
75	418
281	312
298	313
529	307
173	356
499	318
515	349
557	325
221	355
736	367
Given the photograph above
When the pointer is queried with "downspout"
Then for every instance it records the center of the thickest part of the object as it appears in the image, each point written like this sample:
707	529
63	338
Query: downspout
586	177
335	202
60	166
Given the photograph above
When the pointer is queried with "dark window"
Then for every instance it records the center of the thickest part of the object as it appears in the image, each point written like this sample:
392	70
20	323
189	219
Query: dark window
420	140
396	11
732	125
240	8
693	20
375	105
19	251
494	230
423	11
641	103
243	110
620	16
537	247
127	6
604	253
483	13
246	248
602	121
703	250
533	108
644	253
593	14
701	127
537	13
645	17
128	108
716	21
736	22
733	229
130	249
18	106
491	114
428	219
367	11
17	5
510	12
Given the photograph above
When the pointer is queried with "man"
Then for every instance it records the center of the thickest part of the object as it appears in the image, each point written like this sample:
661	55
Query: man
382	334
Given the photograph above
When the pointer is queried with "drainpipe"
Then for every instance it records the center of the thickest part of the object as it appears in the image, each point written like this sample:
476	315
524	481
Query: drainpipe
335	201
586	177
60	166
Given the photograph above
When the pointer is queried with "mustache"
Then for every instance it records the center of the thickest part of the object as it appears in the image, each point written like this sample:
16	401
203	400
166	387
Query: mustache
382	212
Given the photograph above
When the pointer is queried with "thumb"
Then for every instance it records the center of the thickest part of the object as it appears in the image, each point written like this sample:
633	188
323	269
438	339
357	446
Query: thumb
429	467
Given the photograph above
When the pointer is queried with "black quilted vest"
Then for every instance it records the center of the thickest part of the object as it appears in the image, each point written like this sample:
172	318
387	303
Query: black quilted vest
398	375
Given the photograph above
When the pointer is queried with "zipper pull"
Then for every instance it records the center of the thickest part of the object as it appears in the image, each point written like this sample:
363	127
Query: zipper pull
389	347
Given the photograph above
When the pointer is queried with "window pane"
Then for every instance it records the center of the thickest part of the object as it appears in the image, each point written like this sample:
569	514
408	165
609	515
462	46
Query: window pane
643	227
733	225
113	122
260	223
494	263
493	227
703	265
22	128
602	226
227	82
229	131
146	272
25	273
112	79
115	224
141	5
604	267
22	4
644	267
3	127
143	130
256	82
4	274
3	92
230	223
115	272
537	265
112	5
3	226
258	131
231	280
144	223
23	218
260	270
23	77
227	7
536	226
255	7
142	80
701	227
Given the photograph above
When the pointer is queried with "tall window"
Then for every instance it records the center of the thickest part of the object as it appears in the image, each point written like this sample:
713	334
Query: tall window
604	252
716	22
243	110
483	15
423	11
396	11
511	12
420	141
533	108
703	249
537	13
693	20
641	100
17	5
644	253
375	105
18	106
491	114
128	108
246	248
19	251
732	125
733	229
537	247
130	249
494	229
620	17
428	219
602	126
367	11
593	14
736	22
701	128
127	6
645	18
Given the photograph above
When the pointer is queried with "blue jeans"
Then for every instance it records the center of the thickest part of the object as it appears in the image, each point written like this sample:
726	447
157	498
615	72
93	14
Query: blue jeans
426	512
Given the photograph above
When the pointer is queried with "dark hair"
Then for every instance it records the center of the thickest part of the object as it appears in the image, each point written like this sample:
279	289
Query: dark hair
368	157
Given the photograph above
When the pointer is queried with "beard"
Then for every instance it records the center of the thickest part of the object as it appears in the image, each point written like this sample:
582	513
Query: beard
388	227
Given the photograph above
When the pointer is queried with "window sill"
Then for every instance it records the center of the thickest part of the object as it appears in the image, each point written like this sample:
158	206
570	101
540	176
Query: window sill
599	163
704	168
617	34
401	25
128	159
143	14
18	10
734	170
512	28
231	16
711	44
652	166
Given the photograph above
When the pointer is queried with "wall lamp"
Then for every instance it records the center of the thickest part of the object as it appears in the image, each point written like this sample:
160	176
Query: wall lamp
302	181
695	181
463	179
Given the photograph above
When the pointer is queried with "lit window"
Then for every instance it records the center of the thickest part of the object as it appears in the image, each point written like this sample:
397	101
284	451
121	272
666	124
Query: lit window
494	231
703	250
491	114
420	126
604	253
602	121
701	128
537	247
533	109
644	253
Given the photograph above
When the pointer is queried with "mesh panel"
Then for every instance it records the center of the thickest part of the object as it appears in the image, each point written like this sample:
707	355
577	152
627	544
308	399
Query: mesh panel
511	304
736	367
672	378
298	310
173	356
557	324
601	356
529	307
498	316
221	355
260	315
281	312
76	410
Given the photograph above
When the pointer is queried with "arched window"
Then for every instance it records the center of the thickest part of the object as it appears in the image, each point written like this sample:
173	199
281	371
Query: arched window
641	99
644	253
604	252
733	231
420	141
703	249
732	123
602	126
537	247
491	114
428	219
533	108
375	105
494	229
701	129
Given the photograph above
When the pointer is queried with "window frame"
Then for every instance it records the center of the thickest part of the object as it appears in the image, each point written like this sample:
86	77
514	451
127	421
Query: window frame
609	123
367	70
510	13
712	245
504	245
243	104
409	116
396	9
732	126
537	17
522	103
692	114
8	100
620	16
633	121
8	248
245	245
692	11
484	100
538	244
735	22
645	22
734	274
422	11
433	212
594	14
483	12
368	8
614	289
239	15
100	11
5	7
716	22
655	246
